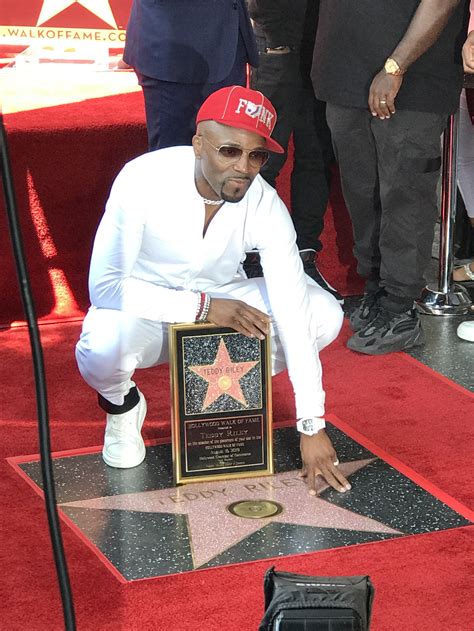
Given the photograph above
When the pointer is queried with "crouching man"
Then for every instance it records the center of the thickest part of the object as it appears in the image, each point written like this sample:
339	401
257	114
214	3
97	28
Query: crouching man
170	248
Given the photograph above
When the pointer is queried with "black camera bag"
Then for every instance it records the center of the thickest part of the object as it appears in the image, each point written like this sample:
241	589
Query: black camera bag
295	602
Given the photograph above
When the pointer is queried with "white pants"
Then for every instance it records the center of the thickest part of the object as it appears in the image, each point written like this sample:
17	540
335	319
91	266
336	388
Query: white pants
113	344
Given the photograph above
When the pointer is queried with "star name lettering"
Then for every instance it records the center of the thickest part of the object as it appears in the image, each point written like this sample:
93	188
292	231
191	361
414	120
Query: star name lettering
220	435
221	371
237	432
268	484
192	497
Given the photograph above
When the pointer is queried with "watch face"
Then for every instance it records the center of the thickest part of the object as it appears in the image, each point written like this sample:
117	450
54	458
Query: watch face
391	67
307	425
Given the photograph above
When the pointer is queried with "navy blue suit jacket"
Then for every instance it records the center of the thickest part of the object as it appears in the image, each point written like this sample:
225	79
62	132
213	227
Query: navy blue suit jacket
187	41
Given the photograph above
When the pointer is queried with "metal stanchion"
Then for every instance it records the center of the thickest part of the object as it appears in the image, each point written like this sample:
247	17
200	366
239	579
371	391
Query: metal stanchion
448	298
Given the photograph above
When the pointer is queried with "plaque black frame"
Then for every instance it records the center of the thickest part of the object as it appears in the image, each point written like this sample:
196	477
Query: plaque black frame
188	465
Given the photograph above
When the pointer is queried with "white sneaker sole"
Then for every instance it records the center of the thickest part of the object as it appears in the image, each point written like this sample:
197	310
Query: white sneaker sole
466	331
139	456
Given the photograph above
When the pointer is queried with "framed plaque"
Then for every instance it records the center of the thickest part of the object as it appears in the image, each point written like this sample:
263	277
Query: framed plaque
221	403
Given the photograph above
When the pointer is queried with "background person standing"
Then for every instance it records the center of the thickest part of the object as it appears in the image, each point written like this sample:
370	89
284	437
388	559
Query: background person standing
391	74
285	31
182	52
466	157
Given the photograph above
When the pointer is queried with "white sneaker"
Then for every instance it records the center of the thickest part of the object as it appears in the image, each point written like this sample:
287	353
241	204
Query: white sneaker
123	443
466	330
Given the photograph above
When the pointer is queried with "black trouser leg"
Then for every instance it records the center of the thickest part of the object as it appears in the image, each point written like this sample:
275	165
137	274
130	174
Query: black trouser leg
278	78
356	155
310	177
389	172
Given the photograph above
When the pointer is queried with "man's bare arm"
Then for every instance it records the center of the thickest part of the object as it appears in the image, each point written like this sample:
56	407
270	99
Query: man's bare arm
424	29
468	53
426	26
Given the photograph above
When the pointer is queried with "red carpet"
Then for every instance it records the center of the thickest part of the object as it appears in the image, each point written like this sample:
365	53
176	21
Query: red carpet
64	161
402	407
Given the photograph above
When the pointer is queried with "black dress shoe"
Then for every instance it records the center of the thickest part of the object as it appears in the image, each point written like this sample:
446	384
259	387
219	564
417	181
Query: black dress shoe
309	258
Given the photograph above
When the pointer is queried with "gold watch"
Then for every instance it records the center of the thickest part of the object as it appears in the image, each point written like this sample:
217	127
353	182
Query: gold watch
392	67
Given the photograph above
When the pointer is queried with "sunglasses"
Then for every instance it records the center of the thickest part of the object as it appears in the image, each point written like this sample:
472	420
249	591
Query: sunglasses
230	154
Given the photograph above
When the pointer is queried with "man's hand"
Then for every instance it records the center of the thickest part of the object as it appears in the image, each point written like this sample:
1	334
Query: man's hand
383	90
319	457
468	53
239	316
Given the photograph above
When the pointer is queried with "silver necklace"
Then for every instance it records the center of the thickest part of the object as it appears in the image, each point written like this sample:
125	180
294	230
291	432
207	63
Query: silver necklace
212	202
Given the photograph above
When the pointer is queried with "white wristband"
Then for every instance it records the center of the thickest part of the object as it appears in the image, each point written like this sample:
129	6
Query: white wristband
310	426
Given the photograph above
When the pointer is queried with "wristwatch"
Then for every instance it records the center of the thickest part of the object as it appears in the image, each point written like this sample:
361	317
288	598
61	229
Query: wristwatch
310	426
393	67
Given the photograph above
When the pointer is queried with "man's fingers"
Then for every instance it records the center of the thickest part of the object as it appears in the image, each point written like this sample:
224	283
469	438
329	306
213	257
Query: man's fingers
246	326
319	457
251	326
382	93
383	108
378	106
264	317
311	480
303	473
246	329
391	104
335	478
330	473
373	104
255	322
239	316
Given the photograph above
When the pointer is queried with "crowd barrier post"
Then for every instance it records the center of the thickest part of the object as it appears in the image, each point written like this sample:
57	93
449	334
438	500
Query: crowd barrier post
448	298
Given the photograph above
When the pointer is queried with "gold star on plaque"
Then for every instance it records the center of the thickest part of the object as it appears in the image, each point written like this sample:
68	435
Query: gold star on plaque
100	8
223	376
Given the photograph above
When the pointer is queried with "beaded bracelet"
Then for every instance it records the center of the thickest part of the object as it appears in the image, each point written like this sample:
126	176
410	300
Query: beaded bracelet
201	302
205	310
203	307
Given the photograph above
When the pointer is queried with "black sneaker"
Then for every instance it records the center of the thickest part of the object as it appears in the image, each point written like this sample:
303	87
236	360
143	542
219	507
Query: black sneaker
366	310
388	332
252	266
309	258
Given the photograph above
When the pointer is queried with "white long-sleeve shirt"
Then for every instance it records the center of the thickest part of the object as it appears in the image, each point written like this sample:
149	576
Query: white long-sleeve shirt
150	257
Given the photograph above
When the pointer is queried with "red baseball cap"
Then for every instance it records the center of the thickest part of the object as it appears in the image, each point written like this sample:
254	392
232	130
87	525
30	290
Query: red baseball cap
243	108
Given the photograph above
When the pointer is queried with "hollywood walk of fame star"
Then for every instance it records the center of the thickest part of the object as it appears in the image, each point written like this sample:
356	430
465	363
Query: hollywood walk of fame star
100	8
205	505
223	376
